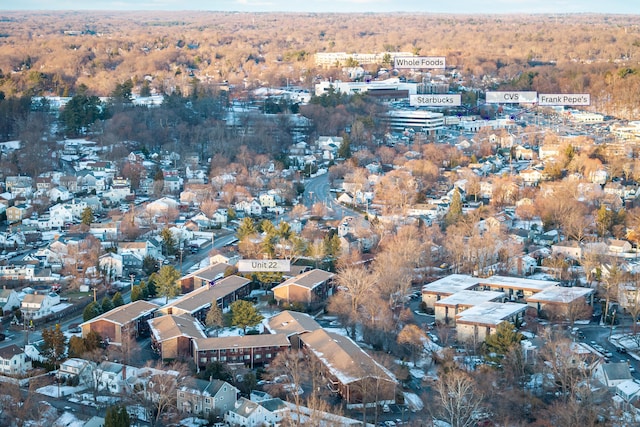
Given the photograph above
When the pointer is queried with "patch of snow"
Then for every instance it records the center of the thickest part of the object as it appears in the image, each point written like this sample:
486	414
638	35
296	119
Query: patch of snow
67	419
413	401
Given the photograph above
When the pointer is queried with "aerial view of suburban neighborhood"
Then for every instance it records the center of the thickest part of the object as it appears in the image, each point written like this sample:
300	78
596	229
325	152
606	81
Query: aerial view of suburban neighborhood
323	219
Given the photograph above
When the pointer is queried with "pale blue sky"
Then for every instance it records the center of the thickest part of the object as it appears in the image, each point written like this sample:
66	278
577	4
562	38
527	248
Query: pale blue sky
378	6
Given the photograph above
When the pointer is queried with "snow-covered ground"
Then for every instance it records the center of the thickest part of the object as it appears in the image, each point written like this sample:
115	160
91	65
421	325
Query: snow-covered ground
67	419
63	390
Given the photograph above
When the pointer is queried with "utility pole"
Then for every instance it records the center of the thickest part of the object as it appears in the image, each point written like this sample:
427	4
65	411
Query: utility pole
95	294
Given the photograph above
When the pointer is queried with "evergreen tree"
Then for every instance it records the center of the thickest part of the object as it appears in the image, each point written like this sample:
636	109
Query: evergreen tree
244	314
92	341
166	281
117	300
168	241
149	265
117	416
106	304
214	316
137	293
502	341
77	346
90	311
455	209
344	151
246	228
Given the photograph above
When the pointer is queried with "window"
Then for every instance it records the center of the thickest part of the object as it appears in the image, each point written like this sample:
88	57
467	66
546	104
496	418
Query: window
181	394
207	400
247	356
223	358
258	356
203	360
268	355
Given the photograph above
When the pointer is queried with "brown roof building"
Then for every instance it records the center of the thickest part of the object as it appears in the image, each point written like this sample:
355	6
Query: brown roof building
172	336
351	372
130	317
203	277
249	350
198	302
292	324
310	288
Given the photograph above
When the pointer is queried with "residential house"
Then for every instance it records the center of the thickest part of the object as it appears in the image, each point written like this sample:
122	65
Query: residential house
628	390
206	398
172	335
349	369
311	288
111	265
172	184
249	207
18	212
104	231
111	377
43	184
76	368
59	216
115	324
267	200
60	194
531	177
13	360
248	350
251	414
70	183
139	248
619	246
568	248
197	303
161	206
225	255
9	301
612	374
36	306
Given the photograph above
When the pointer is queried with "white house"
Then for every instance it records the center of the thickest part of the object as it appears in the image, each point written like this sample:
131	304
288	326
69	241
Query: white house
36	306
77	368
8	300
247	413
111	265
60	193
13	360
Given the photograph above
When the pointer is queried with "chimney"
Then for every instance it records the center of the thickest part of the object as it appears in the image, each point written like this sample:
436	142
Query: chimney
124	372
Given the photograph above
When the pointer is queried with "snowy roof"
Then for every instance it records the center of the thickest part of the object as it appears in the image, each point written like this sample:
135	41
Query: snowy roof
629	387
560	294
292	322
490	313
126	313
517	283
167	327
344	359
202	297
310	279
469	298
245	341
451	284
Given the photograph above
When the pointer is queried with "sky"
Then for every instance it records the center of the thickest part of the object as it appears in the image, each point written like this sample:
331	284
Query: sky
627	7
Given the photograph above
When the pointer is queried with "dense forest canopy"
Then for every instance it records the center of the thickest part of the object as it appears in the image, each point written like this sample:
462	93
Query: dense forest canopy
55	52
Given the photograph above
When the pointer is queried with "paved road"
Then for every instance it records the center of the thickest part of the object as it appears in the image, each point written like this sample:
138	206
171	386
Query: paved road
317	190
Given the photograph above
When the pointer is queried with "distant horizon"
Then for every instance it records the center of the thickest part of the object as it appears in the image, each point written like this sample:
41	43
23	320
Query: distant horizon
461	7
